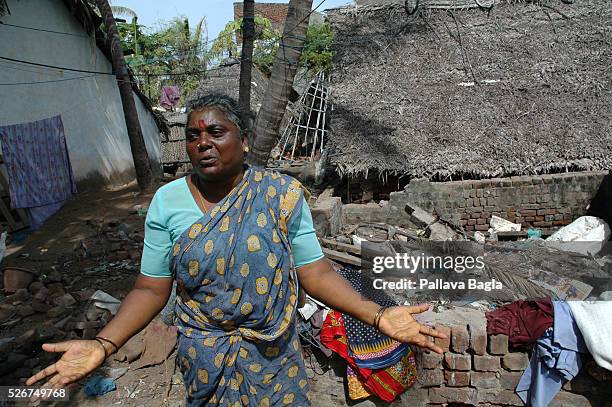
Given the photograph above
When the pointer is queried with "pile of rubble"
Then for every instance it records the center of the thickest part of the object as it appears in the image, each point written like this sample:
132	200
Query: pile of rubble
572	264
58	300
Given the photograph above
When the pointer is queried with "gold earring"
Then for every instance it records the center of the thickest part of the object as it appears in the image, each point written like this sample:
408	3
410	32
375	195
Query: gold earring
246	149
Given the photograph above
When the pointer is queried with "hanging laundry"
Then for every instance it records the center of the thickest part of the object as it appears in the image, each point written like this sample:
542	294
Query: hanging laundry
387	384
170	95
39	171
554	361
595	323
316	323
523	321
369	347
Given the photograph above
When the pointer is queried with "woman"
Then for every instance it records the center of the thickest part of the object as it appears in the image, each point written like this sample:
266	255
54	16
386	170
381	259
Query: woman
239	241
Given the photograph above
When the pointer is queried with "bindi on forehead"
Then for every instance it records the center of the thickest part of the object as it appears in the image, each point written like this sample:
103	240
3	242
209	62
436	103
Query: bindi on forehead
202	125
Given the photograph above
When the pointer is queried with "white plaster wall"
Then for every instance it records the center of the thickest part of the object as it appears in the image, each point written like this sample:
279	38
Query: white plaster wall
90	107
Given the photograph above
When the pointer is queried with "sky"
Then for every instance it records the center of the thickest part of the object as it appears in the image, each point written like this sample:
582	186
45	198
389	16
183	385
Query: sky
217	12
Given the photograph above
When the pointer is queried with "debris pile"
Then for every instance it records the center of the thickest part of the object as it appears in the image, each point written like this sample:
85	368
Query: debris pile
57	298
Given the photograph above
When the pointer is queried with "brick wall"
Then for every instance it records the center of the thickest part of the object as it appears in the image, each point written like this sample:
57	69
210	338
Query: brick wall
275	12
543	201
475	369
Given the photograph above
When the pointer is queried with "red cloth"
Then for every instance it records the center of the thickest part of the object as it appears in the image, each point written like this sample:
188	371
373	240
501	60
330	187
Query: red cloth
386	383
523	321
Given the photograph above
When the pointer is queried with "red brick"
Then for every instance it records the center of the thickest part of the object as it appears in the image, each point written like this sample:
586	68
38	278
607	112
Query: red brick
487	363
481	221
454	361
582	384
457	379
484	380
515	361
443	343
430	377
528	212
15	279
274	12
499	396
429	360
482	227
463	395
478	339
498	344
565	399
471	221
460	338
509	380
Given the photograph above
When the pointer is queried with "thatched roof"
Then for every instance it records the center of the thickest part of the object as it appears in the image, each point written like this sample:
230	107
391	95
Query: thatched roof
225	79
405	100
4	9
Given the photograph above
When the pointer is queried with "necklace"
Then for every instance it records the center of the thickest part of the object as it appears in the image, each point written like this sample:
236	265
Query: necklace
200	197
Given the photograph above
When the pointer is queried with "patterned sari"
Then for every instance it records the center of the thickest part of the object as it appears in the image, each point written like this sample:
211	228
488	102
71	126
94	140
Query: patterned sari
237	296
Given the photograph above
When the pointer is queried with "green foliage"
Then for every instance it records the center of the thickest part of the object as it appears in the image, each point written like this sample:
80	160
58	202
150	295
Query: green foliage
265	43
172	49
175	48
317	54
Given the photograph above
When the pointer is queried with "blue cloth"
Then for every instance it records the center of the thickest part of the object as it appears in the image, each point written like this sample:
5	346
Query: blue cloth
98	385
554	361
369	347
237	298
39	171
173	210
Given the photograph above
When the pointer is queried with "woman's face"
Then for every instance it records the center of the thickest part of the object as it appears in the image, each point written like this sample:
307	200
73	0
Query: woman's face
214	145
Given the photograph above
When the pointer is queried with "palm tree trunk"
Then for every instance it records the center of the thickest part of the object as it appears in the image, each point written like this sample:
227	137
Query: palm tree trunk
284	69
144	175
248	36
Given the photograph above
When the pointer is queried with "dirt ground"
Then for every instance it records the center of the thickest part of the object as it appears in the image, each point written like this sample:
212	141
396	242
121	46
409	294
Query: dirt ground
86	242
94	243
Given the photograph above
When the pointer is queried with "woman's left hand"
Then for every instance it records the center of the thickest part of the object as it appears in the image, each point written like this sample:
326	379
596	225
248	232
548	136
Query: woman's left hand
398	323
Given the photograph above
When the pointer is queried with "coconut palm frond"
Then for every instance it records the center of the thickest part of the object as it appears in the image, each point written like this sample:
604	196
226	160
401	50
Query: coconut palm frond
196	39
123	11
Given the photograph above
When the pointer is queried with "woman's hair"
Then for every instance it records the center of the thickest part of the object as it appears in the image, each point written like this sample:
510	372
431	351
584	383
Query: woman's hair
228	105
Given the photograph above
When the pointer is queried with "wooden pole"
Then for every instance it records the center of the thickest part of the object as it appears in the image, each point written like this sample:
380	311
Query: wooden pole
246	59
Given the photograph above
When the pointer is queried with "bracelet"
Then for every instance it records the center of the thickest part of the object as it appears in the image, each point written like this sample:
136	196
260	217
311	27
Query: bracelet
103	347
109	341
378	315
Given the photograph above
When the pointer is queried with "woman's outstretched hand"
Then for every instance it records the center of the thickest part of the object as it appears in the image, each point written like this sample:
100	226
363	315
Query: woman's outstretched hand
398	323
80	358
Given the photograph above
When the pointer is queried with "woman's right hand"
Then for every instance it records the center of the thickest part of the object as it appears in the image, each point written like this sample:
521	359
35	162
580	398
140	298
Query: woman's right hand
80	358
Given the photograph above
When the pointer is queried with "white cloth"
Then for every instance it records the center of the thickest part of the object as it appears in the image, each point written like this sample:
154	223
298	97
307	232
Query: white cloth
594	319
